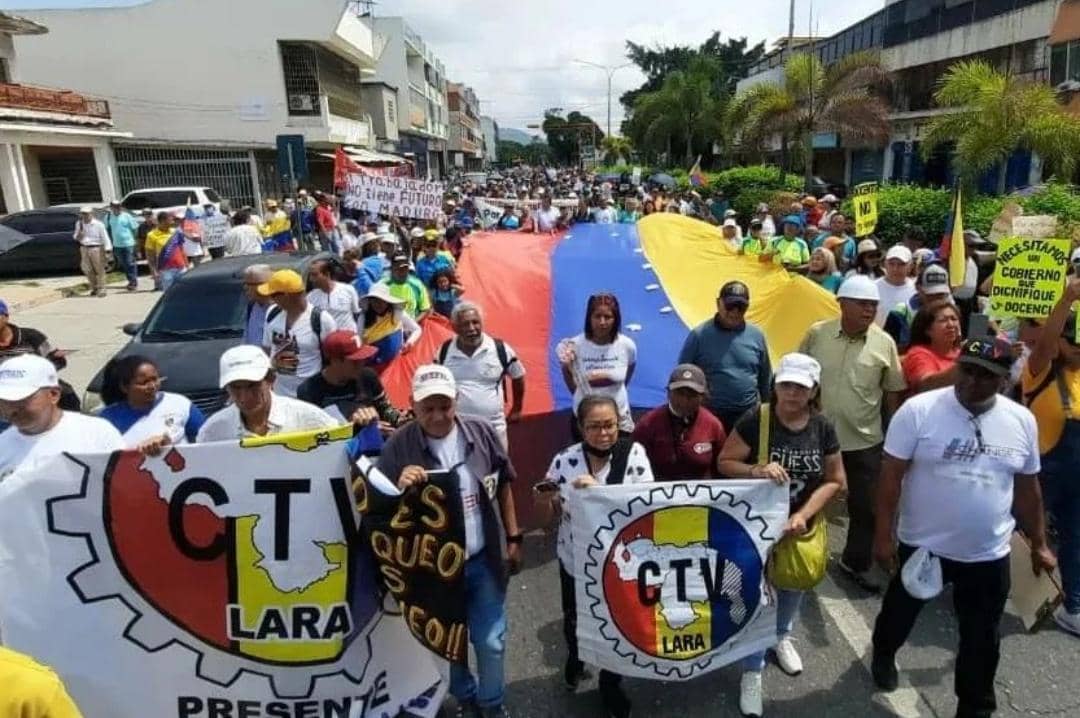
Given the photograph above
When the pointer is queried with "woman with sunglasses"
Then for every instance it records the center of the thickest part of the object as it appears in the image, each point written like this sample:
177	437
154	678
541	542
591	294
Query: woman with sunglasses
867	260
601	359
930	361
601	457
147	417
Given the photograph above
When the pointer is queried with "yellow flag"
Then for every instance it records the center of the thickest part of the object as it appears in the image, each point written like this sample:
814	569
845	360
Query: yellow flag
957	255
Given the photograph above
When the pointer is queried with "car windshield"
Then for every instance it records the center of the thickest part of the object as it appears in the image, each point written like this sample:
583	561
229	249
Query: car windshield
154	200
198	310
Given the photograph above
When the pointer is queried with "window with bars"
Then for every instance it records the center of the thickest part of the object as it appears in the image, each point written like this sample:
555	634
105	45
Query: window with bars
300	67
228	172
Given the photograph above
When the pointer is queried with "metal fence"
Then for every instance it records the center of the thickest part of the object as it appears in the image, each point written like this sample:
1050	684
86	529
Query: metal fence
228	172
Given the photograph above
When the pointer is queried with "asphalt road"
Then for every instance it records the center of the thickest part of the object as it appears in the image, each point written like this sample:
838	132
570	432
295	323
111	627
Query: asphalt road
1039	673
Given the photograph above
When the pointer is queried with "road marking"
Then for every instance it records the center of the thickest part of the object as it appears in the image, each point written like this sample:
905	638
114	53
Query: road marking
905	700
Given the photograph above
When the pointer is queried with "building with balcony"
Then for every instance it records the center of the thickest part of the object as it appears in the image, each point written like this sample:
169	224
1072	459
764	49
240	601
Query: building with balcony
918	41
466	144
210	116
490	129
54	143
409	68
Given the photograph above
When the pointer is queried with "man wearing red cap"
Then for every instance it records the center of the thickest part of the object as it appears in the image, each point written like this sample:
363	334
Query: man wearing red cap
346	386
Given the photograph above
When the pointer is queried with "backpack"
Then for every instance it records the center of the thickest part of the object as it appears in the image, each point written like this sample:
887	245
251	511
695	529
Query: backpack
500	350
316	325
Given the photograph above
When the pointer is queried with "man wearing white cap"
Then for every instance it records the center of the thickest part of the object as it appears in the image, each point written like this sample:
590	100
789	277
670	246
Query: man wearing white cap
246	375
29	398
932	286
94	242
828	204
896	286
860	375
469	451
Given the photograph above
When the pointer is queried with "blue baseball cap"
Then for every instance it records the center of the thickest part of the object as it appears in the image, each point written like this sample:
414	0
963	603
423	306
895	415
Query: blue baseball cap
793	219
4	308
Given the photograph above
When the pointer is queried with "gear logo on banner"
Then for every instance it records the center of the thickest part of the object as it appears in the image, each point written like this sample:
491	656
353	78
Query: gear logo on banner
679	582
217	565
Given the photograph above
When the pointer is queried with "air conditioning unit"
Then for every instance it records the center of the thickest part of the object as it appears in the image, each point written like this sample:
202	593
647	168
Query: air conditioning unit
302	103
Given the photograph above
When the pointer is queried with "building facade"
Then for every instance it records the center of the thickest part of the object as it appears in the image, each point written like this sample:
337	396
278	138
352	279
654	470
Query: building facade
408	68
466	145
490	129
211	117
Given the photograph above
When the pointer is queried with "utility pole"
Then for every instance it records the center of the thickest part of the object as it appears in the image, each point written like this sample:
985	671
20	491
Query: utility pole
610	70
791	26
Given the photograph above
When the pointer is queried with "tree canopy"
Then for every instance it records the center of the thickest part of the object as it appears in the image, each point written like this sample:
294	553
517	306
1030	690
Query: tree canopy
567	135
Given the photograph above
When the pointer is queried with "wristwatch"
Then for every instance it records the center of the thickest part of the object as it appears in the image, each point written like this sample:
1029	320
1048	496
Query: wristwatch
515	539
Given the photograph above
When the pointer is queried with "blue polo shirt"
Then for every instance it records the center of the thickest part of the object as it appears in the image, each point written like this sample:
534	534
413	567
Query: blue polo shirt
735	361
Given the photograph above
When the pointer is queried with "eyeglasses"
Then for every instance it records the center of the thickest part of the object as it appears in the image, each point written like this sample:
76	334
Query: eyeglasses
735	306
978	434
598	428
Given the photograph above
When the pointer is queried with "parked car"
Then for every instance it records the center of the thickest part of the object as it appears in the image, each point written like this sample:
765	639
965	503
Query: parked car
50	245
202	315
819	188
171	199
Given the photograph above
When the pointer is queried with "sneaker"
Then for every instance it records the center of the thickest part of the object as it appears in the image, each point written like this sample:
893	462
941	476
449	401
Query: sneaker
750	694
467	709
863	579
493	712
885	672
1069	622
573	674
787	657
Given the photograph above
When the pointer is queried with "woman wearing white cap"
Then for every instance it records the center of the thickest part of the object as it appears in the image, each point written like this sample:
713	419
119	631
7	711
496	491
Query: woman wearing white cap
867	260
804	453
387	326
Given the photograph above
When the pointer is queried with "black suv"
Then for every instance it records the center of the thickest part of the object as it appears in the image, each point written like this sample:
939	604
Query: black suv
51	246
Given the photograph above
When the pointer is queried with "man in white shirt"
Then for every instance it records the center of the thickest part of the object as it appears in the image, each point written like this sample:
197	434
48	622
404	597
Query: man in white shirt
546	218
294	331
29	400
897	286
336	298
480	364
94	242
606	214
960	462
246	375
244	237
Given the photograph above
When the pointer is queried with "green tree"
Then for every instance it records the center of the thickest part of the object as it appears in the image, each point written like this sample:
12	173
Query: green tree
567	135
994	114
846	97
685	112
616	149
536	153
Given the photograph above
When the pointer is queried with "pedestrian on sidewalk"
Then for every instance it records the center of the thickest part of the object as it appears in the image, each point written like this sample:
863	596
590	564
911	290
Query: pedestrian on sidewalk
94	242
122	227
214	226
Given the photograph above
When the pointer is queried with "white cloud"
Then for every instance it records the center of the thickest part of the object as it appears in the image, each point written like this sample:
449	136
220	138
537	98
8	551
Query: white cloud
518	54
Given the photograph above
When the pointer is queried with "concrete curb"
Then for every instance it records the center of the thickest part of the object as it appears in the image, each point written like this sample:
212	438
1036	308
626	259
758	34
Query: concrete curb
21	297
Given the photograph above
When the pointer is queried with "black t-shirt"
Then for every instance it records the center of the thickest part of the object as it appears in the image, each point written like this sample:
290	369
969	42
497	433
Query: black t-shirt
347	397
801	453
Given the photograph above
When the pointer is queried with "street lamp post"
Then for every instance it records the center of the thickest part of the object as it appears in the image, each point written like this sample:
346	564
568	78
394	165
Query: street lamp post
610	70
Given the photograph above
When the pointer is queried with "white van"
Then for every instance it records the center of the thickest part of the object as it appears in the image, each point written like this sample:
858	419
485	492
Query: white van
170	199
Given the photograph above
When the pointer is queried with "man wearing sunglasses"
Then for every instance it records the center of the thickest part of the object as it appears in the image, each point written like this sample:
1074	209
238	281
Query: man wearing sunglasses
733	354
960	462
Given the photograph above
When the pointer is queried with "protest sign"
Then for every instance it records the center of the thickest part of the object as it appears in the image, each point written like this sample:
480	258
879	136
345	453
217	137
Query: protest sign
217	579
394	196
1029	277
670	578
864	199
418	538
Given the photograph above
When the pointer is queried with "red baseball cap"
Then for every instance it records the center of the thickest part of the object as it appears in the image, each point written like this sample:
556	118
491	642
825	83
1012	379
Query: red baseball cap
346	345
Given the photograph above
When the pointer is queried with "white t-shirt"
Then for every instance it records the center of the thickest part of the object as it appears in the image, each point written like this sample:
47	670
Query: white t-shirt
480	389
569	464
450	452
74	433
606	215
956	499
971	281
891	295
605	366
286	414
169	415
342	303
300	339
546	219
243	239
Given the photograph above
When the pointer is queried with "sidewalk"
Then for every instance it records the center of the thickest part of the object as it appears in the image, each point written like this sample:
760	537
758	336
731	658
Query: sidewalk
23	294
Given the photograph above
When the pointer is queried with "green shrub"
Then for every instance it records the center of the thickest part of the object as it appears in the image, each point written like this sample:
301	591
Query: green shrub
737	180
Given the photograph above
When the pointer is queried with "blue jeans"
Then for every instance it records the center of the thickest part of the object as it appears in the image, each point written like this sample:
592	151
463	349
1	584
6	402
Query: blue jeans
787	608
1061	497
125	262
169	277
485	606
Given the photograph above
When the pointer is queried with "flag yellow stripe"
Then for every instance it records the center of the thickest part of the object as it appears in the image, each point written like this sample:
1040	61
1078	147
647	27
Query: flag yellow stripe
681	527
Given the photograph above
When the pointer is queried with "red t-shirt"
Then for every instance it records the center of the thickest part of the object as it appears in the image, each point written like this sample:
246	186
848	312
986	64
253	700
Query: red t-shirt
922	361
690	455
324	218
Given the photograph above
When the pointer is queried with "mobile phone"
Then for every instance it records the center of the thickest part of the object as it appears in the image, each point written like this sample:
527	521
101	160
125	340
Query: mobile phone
978	325
546	486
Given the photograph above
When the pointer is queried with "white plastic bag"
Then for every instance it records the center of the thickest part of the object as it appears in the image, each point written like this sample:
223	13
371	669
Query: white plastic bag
921	575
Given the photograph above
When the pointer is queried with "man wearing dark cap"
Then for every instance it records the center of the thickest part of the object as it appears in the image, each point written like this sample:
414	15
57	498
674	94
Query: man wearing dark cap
406	287
733	355
683	438
960	462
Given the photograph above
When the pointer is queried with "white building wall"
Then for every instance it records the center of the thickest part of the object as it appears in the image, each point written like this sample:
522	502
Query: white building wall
774	75
229	89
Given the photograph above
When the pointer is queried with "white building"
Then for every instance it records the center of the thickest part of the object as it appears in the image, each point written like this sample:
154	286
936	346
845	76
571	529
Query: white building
412	72
490	129
54	144
207	86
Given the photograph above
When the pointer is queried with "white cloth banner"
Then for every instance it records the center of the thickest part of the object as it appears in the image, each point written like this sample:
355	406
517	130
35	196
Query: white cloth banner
670	577
489	209
215	580
400	196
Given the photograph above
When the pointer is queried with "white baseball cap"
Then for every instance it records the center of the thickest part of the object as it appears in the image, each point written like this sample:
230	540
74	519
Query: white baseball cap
243	363
416	232
433	380
934	280
730	223
831	198
729	213
87	210
866	246
898	251
859	287
799	369
21	376
1075	256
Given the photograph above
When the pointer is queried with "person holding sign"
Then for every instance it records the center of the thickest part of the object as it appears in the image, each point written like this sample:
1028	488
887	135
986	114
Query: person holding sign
1051	389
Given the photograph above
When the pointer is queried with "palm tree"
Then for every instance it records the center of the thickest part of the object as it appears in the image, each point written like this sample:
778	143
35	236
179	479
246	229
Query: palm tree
994	114
616	149
845	97
684	110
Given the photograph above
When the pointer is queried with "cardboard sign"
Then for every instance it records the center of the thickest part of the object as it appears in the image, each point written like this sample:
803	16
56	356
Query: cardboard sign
864	199
394	196
1029	277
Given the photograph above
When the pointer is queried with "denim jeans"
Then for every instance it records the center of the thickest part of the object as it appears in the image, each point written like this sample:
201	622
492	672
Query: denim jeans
125	262
485	606
787	608
169	277
1061	496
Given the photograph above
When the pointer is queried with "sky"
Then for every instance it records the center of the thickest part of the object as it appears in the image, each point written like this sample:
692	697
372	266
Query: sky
518	55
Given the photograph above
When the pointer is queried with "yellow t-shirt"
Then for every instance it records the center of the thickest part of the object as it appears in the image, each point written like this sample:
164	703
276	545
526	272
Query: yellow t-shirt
156	240
1046	406
30	690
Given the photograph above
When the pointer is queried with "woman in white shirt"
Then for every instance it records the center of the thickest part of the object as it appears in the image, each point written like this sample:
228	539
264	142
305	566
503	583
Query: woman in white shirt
600	360
146	416
602	457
